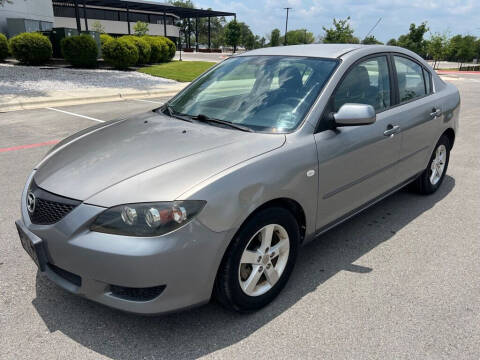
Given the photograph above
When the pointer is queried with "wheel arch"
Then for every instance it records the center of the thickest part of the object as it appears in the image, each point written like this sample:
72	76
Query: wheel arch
288	204
450	134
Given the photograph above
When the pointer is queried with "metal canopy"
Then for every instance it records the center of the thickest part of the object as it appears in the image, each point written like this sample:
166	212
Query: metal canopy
182	13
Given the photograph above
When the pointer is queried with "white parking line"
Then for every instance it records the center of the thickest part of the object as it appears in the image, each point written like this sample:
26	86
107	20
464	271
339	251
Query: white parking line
149	101
78	115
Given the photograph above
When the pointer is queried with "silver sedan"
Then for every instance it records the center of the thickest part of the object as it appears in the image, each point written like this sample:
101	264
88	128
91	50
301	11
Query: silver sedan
213	194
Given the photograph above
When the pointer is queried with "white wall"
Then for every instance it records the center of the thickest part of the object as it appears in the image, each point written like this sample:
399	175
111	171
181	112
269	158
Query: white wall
115	27
26	9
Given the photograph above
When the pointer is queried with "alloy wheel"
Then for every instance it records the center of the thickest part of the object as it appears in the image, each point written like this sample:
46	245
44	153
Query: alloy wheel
264	260
438	164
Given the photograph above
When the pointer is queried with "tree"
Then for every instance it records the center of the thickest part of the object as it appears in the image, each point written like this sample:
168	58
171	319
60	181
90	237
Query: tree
247	39
233	34
462	48
413	40
340	33
98	27
260	42
392	42
300	36
185	24
140	28
437	47
477	50
371	40
275	37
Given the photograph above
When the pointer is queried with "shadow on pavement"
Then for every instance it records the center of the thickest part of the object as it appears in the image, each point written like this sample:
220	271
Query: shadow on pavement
203	330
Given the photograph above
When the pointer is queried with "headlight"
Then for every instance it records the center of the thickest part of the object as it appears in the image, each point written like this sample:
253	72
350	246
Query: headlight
147	219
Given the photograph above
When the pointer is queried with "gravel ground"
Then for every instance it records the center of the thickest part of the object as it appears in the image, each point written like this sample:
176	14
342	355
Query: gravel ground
39	81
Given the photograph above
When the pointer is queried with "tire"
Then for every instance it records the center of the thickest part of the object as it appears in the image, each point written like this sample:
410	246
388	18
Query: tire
244	285
427	183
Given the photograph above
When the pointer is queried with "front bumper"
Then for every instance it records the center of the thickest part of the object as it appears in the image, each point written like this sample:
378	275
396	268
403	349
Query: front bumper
182	264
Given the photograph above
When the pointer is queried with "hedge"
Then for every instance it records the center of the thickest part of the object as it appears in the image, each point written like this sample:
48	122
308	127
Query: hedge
120	53
31	48
3	47
80	51
172	49
160	51
104	38
143	47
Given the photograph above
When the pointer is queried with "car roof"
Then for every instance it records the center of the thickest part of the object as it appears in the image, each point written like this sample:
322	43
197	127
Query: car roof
320	50
314	50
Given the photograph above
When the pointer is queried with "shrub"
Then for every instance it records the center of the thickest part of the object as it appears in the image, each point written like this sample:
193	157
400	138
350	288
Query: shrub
143	47
31	48
120	53
171	48
80	51
164	54
3	47
104	38
159	49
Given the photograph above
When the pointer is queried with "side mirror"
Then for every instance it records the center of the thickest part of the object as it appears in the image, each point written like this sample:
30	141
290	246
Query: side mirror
355	114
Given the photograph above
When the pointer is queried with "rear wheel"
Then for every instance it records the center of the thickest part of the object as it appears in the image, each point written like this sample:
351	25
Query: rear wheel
259	261
432	177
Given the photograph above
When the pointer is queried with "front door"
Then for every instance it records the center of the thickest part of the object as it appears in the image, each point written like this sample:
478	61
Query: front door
358	163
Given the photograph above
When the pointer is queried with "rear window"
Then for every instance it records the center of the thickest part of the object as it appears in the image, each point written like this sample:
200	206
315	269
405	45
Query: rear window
411	83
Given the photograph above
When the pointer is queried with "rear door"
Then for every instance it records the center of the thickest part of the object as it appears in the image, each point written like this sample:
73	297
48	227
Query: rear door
358	163
418	113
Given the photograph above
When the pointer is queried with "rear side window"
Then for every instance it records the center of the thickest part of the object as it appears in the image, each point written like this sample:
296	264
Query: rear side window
411	84
367	82
428	81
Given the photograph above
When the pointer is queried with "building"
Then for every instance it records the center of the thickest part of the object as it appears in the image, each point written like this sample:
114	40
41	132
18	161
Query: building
116	16
38	15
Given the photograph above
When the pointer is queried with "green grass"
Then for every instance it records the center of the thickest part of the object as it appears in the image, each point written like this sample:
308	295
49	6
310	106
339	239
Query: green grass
183	71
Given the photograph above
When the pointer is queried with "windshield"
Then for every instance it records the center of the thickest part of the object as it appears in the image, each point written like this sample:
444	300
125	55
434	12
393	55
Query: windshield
263	93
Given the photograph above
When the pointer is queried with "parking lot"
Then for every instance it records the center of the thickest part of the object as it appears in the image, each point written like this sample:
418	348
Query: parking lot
401	280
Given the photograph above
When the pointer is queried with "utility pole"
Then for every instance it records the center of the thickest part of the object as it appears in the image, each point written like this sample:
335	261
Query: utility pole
286	25
305	38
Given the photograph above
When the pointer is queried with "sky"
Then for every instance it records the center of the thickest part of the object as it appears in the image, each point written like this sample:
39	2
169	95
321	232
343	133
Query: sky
454	16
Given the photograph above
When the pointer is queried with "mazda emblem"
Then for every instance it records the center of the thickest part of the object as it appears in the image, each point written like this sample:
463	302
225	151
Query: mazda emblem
30	202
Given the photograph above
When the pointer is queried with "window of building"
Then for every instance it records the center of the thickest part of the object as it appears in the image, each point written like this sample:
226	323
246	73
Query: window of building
112	15
134	17
63	11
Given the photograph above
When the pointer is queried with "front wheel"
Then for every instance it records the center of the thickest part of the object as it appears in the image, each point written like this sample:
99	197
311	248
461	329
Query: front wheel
259	261
432	177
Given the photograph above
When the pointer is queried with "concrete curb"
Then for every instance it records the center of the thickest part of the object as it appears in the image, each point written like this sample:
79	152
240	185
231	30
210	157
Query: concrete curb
457	72
52	102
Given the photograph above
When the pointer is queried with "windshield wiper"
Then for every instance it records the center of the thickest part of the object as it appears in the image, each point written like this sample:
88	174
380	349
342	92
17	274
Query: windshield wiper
206	119
172	113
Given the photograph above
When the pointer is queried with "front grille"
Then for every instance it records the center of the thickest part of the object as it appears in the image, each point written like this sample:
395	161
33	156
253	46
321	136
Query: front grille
49	208
49	212
136	294
67	275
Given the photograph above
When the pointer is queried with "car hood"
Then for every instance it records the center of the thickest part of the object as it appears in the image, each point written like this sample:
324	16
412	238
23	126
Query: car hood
150	158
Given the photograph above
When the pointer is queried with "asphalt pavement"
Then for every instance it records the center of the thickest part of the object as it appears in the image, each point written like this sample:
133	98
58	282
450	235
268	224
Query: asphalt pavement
399	281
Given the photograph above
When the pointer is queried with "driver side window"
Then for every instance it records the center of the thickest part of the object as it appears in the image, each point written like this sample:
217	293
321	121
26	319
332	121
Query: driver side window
367	82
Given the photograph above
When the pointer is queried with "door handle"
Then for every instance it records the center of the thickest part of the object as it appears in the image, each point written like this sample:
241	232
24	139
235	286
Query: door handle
391	130
436	112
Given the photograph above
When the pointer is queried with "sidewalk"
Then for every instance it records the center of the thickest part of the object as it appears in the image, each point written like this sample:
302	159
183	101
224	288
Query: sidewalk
29	87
